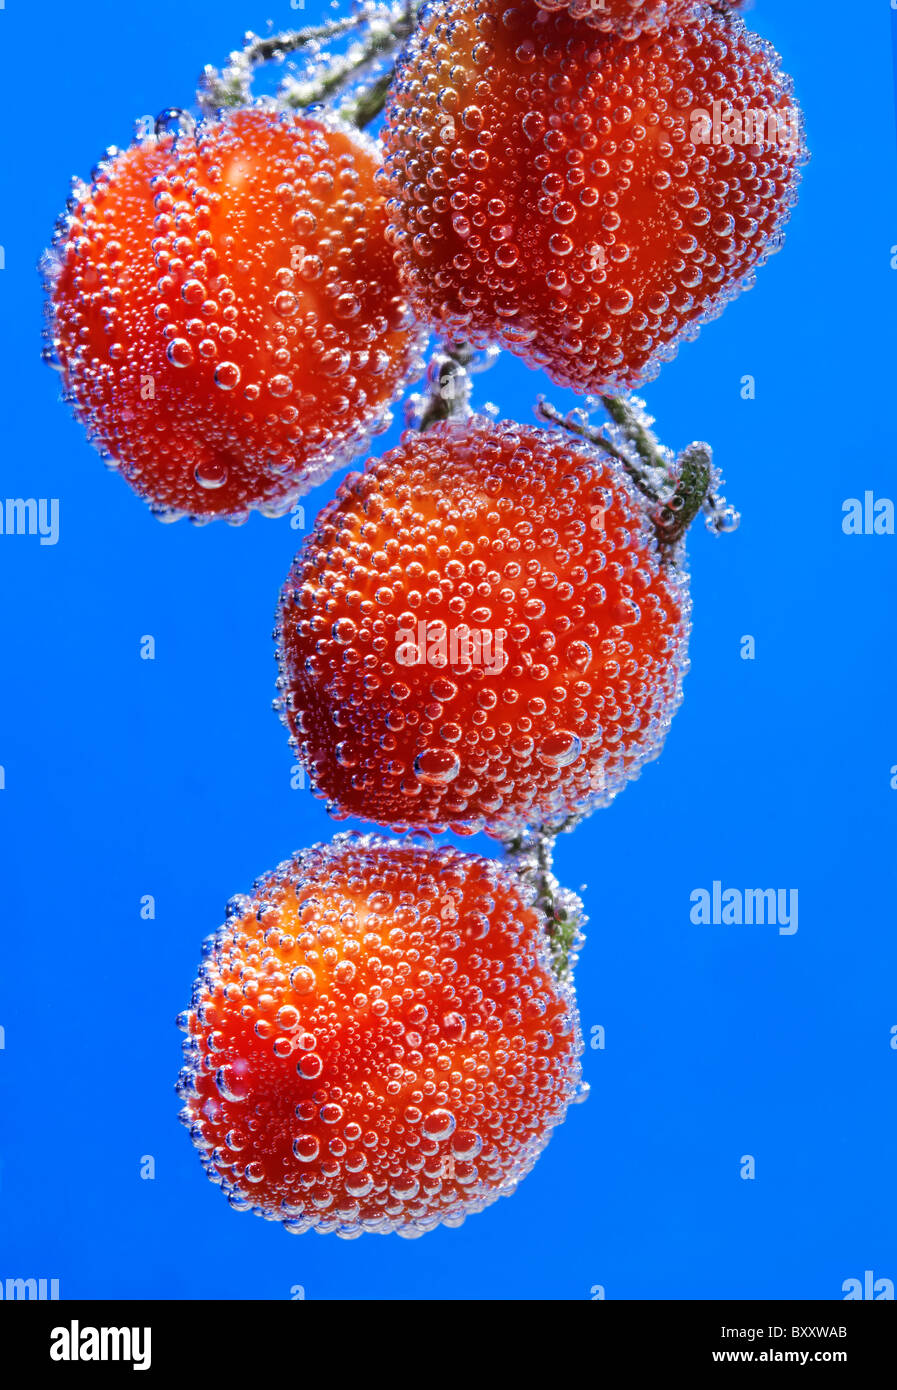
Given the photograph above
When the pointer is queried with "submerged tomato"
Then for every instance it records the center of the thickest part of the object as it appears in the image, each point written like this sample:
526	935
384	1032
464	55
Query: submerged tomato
481	631
377	1041
226	311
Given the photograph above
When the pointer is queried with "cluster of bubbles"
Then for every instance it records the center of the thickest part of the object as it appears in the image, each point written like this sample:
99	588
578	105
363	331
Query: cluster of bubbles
376	1040
560	192
627	18
511	531
226	311
321	64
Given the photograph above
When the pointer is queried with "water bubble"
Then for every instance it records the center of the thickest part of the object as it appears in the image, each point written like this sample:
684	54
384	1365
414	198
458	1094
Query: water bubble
466	1144
454	1026
280	385
285	304
579	654
180	353
306	1148
439	1124
231	1081
227	375
436	766
310	1066
619	301
211	474
174	121
559	749
302	979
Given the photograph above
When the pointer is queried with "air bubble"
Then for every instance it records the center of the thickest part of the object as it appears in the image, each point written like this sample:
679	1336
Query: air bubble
436	766
180	353
211	474
302	980
439	1124
306	1148
227	376
560	749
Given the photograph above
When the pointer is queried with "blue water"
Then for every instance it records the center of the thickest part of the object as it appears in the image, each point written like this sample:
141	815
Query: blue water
171	777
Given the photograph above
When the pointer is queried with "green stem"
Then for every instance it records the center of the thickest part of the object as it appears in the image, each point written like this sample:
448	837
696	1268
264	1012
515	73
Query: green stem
339	75
231	88
367	106
531	855
278	45
387	28
548	412
450	386
643	439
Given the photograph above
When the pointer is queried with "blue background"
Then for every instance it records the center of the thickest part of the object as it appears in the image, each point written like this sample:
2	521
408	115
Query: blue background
172	777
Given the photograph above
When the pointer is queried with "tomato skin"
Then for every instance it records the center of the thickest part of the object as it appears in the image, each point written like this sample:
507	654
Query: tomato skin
227	314
570	669
568	194
376	1041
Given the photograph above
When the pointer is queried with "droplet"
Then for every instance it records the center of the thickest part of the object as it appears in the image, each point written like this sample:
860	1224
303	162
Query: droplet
579	654
211	474
302	979
306	1148
310	1066
435	767
439	1124
180	353
227	375
559	749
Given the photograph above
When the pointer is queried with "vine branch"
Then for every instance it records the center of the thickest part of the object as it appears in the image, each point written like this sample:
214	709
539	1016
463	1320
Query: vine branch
387	27
448	396
531	855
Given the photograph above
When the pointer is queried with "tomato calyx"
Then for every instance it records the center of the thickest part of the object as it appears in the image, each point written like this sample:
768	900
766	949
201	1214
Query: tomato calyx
674	514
